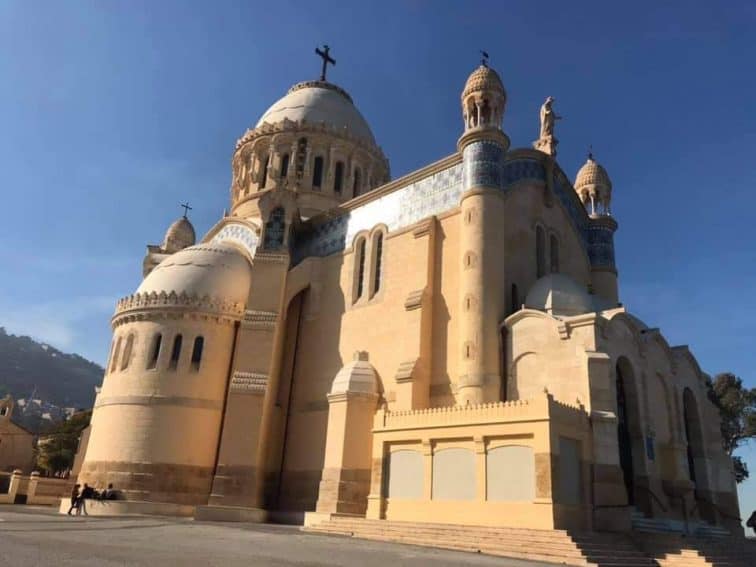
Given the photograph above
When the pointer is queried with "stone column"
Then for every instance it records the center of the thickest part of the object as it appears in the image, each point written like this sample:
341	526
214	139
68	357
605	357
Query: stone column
482	282
352	403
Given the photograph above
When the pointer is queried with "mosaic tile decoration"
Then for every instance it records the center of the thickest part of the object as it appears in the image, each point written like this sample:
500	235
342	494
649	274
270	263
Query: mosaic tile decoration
426	197
239	233
484	165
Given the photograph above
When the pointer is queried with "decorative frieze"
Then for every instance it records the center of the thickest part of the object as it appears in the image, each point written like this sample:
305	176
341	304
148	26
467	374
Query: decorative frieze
171	301
249	383
254	319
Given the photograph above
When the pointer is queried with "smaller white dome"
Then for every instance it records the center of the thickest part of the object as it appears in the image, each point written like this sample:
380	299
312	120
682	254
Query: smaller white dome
357	376
179	235
219	271
560	295
592	174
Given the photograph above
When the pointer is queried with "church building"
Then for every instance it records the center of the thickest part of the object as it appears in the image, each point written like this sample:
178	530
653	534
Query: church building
448	346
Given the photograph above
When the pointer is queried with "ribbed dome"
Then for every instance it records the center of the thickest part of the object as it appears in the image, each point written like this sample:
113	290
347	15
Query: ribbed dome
179	235
319	101
483	79
216	270
559	294
592	173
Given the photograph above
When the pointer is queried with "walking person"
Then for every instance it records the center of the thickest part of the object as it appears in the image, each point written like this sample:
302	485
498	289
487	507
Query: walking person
74	500
86	492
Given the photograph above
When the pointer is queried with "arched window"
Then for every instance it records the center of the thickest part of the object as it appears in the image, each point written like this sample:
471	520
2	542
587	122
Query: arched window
317	172
284	166
360	272
127	352
110	355
515	296
264	179
554	254
157	340
116	354
357	184
540	252
275	229
175	352
338	179
199	344
378	262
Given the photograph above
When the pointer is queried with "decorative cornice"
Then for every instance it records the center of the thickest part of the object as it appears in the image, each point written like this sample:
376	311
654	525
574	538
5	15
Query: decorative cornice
249	383
320	85
271	257
300	126
172	302
405	371
414	300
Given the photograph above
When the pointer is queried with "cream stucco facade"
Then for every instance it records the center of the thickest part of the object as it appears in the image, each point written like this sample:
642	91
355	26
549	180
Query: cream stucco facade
447	346
16	443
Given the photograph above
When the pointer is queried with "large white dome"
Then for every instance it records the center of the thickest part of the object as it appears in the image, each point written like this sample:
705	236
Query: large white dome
216	270
319	101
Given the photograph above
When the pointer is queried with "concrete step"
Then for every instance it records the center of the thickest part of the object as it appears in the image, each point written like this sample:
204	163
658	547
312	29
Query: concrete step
559	549
513	533
585	542
556	546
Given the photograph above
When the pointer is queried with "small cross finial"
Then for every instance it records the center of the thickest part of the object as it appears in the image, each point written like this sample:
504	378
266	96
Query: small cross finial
326	60
187	208
590	152
484	60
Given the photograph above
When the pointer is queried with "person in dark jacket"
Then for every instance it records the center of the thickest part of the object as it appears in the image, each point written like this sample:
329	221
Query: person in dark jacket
74	500
86	492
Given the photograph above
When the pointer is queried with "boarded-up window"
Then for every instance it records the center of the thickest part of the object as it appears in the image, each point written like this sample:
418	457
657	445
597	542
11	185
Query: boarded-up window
454	474
403	475
510	474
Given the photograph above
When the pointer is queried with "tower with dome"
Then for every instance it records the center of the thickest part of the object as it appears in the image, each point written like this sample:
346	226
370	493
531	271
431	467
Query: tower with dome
448	346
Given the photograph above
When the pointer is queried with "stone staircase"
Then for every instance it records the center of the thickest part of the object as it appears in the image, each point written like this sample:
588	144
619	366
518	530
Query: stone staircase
554	546
674	550
664	526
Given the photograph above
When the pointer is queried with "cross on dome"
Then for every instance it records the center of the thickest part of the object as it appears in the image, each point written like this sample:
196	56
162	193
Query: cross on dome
187	208
326	60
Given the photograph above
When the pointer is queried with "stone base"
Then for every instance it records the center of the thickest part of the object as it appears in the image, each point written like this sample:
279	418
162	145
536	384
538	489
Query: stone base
314	518
230	514
130	508
547	145
613	519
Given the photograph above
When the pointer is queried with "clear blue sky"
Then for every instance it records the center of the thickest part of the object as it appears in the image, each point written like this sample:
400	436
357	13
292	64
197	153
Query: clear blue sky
111	113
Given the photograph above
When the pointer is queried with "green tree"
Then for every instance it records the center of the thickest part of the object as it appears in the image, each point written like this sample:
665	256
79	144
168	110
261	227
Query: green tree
737	407
57	449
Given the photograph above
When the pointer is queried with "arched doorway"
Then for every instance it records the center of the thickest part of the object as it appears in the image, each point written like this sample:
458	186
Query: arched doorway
630	433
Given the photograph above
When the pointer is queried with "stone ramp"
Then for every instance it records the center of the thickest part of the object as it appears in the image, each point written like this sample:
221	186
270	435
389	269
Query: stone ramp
672	550
553	546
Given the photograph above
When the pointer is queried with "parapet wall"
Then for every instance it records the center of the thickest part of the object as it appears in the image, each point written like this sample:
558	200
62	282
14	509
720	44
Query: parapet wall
522	464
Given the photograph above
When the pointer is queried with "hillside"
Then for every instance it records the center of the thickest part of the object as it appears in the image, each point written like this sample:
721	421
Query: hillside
66	380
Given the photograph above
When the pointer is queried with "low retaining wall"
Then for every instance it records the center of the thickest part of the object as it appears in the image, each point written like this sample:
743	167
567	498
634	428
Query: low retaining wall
34	489
129	508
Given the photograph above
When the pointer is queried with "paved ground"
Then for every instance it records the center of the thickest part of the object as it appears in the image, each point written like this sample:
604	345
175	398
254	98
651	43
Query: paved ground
33	536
